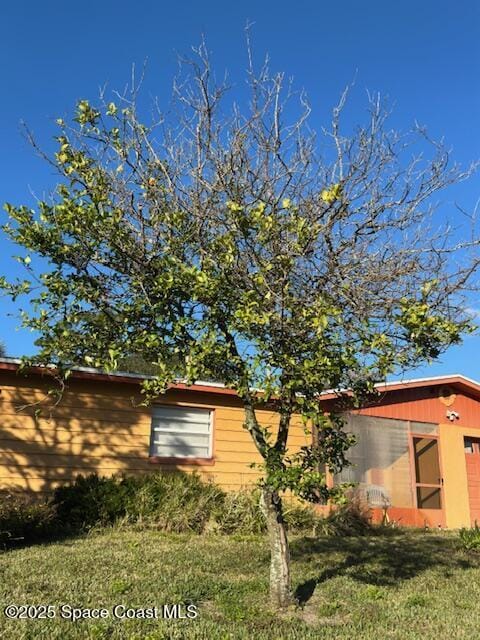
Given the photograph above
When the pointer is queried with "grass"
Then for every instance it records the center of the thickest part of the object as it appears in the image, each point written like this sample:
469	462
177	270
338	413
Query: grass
403	585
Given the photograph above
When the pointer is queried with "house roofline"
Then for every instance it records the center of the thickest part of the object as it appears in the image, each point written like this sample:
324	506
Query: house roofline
417	383
90	373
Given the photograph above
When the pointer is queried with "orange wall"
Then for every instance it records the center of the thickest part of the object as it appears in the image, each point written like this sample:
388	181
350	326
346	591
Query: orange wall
97	428
424	405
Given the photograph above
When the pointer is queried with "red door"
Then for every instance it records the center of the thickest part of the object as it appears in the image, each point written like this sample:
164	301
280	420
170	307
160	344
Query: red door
472	459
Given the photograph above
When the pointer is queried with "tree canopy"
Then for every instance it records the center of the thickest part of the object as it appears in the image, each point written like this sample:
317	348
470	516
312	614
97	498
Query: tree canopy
236	242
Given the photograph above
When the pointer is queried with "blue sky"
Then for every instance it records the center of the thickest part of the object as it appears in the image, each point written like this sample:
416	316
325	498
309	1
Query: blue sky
424	55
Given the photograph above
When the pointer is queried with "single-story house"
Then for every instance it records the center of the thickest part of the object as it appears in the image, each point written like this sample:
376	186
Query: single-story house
417	453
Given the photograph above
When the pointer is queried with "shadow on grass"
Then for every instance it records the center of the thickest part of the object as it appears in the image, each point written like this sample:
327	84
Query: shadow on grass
58	534
381	560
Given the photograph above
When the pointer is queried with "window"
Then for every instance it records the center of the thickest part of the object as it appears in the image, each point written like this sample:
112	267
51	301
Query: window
181	432
471	445
468	445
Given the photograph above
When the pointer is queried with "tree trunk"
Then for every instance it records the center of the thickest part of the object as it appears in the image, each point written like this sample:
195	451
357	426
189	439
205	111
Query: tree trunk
280	589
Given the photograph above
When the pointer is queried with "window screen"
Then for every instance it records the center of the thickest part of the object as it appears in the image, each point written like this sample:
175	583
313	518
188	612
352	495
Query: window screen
181	432
429	498
380	457
427	473
427	467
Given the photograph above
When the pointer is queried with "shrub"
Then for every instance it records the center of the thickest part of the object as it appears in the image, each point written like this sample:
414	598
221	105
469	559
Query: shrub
470	538
24	519
241	513
177	502
90	500
169	501
350	519
180	502
300	518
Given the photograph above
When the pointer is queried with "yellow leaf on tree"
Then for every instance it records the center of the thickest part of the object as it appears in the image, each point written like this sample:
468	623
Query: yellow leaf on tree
233	206
330	195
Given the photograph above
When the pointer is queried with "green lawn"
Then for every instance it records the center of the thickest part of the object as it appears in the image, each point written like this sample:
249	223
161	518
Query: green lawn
405	585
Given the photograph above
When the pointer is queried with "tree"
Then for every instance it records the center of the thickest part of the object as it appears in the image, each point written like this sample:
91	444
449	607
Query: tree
3	352
133	363
219	238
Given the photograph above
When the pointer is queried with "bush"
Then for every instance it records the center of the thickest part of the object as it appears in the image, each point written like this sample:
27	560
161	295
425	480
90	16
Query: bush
470	538
350	519
89	501
180	502
301	519
24	520
241	513
177	501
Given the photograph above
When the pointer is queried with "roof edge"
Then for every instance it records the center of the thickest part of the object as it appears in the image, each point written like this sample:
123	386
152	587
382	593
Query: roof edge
12	364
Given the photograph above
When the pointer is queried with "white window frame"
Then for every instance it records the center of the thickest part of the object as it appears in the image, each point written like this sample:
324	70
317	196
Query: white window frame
156	431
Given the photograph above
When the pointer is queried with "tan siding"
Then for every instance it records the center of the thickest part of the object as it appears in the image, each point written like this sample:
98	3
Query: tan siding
74	424
58	437
64	412
97	428
49	434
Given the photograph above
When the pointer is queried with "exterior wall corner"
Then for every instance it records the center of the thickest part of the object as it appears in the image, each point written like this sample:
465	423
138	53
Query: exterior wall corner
455	484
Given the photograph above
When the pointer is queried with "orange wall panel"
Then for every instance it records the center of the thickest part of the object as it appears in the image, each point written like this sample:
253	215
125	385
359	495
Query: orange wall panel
424	405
